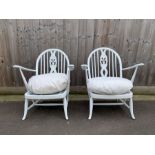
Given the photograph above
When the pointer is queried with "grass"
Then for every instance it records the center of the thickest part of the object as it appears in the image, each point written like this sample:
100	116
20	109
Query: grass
73	97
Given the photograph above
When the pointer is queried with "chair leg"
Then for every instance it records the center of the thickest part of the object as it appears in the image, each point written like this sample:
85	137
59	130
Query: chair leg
67	98
90	108
25	109
131	108
65	102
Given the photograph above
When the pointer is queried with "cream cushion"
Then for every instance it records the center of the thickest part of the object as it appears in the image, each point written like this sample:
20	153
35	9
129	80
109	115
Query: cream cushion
48	83
109	85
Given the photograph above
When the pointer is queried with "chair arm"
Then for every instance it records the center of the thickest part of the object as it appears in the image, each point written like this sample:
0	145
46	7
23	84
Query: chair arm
135	71
71	67
134	66
22	74
84	67
23	68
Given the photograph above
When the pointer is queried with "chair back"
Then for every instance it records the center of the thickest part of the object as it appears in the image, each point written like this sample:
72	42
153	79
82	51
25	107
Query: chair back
52	61
104	62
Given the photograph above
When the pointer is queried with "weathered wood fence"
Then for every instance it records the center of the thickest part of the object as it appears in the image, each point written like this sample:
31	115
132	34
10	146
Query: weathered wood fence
21	41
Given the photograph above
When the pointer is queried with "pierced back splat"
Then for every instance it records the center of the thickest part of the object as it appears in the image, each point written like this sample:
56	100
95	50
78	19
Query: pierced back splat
53	62
103	64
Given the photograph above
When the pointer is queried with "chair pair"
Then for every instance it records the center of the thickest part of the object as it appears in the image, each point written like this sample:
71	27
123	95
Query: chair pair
103	77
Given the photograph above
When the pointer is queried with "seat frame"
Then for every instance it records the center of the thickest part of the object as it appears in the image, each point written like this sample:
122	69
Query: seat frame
122	99
48	63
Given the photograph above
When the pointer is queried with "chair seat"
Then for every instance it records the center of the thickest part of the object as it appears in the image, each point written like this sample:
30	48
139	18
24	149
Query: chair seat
54	96
48	83
109	85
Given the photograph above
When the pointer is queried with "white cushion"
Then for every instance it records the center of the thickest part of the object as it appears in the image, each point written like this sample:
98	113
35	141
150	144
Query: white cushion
109	85
48	83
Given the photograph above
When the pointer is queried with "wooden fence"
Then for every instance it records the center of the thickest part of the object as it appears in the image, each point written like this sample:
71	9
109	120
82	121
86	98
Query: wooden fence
21	41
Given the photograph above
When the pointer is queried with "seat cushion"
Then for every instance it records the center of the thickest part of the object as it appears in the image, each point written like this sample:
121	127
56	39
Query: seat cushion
48	83
109	85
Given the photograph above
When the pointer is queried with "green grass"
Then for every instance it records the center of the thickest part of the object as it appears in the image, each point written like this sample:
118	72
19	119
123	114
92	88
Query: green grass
75	97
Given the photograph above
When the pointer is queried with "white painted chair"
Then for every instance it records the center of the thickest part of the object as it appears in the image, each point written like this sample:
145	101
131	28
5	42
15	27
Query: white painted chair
105	64
50	61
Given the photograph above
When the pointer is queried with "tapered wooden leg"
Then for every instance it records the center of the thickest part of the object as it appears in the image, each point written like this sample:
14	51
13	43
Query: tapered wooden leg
25	109
65	103
90	108
67	98
131	108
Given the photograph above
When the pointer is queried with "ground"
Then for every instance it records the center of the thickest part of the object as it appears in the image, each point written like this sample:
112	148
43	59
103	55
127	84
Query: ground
50	120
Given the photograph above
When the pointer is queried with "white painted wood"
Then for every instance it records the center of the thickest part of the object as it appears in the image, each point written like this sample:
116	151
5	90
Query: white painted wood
92	67
53	62
135	71
25	109
116	65
95	64
90	107
110	97
41	66
131	108
48	104
61	64
48	62
109	65
108	104
58	62
103	64
98	64
21	69
123	101
65	104
47	58
44	64
64	64
33	104
113	67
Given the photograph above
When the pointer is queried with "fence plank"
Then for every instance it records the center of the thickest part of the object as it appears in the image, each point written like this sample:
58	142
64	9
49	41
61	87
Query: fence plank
21	41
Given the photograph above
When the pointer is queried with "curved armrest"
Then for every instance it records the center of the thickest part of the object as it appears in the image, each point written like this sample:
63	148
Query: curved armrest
134	66
135	71
71	67
22	74
23	68
84	67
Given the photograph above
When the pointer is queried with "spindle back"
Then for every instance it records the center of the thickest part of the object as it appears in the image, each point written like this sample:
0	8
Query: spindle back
52	61
104	62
